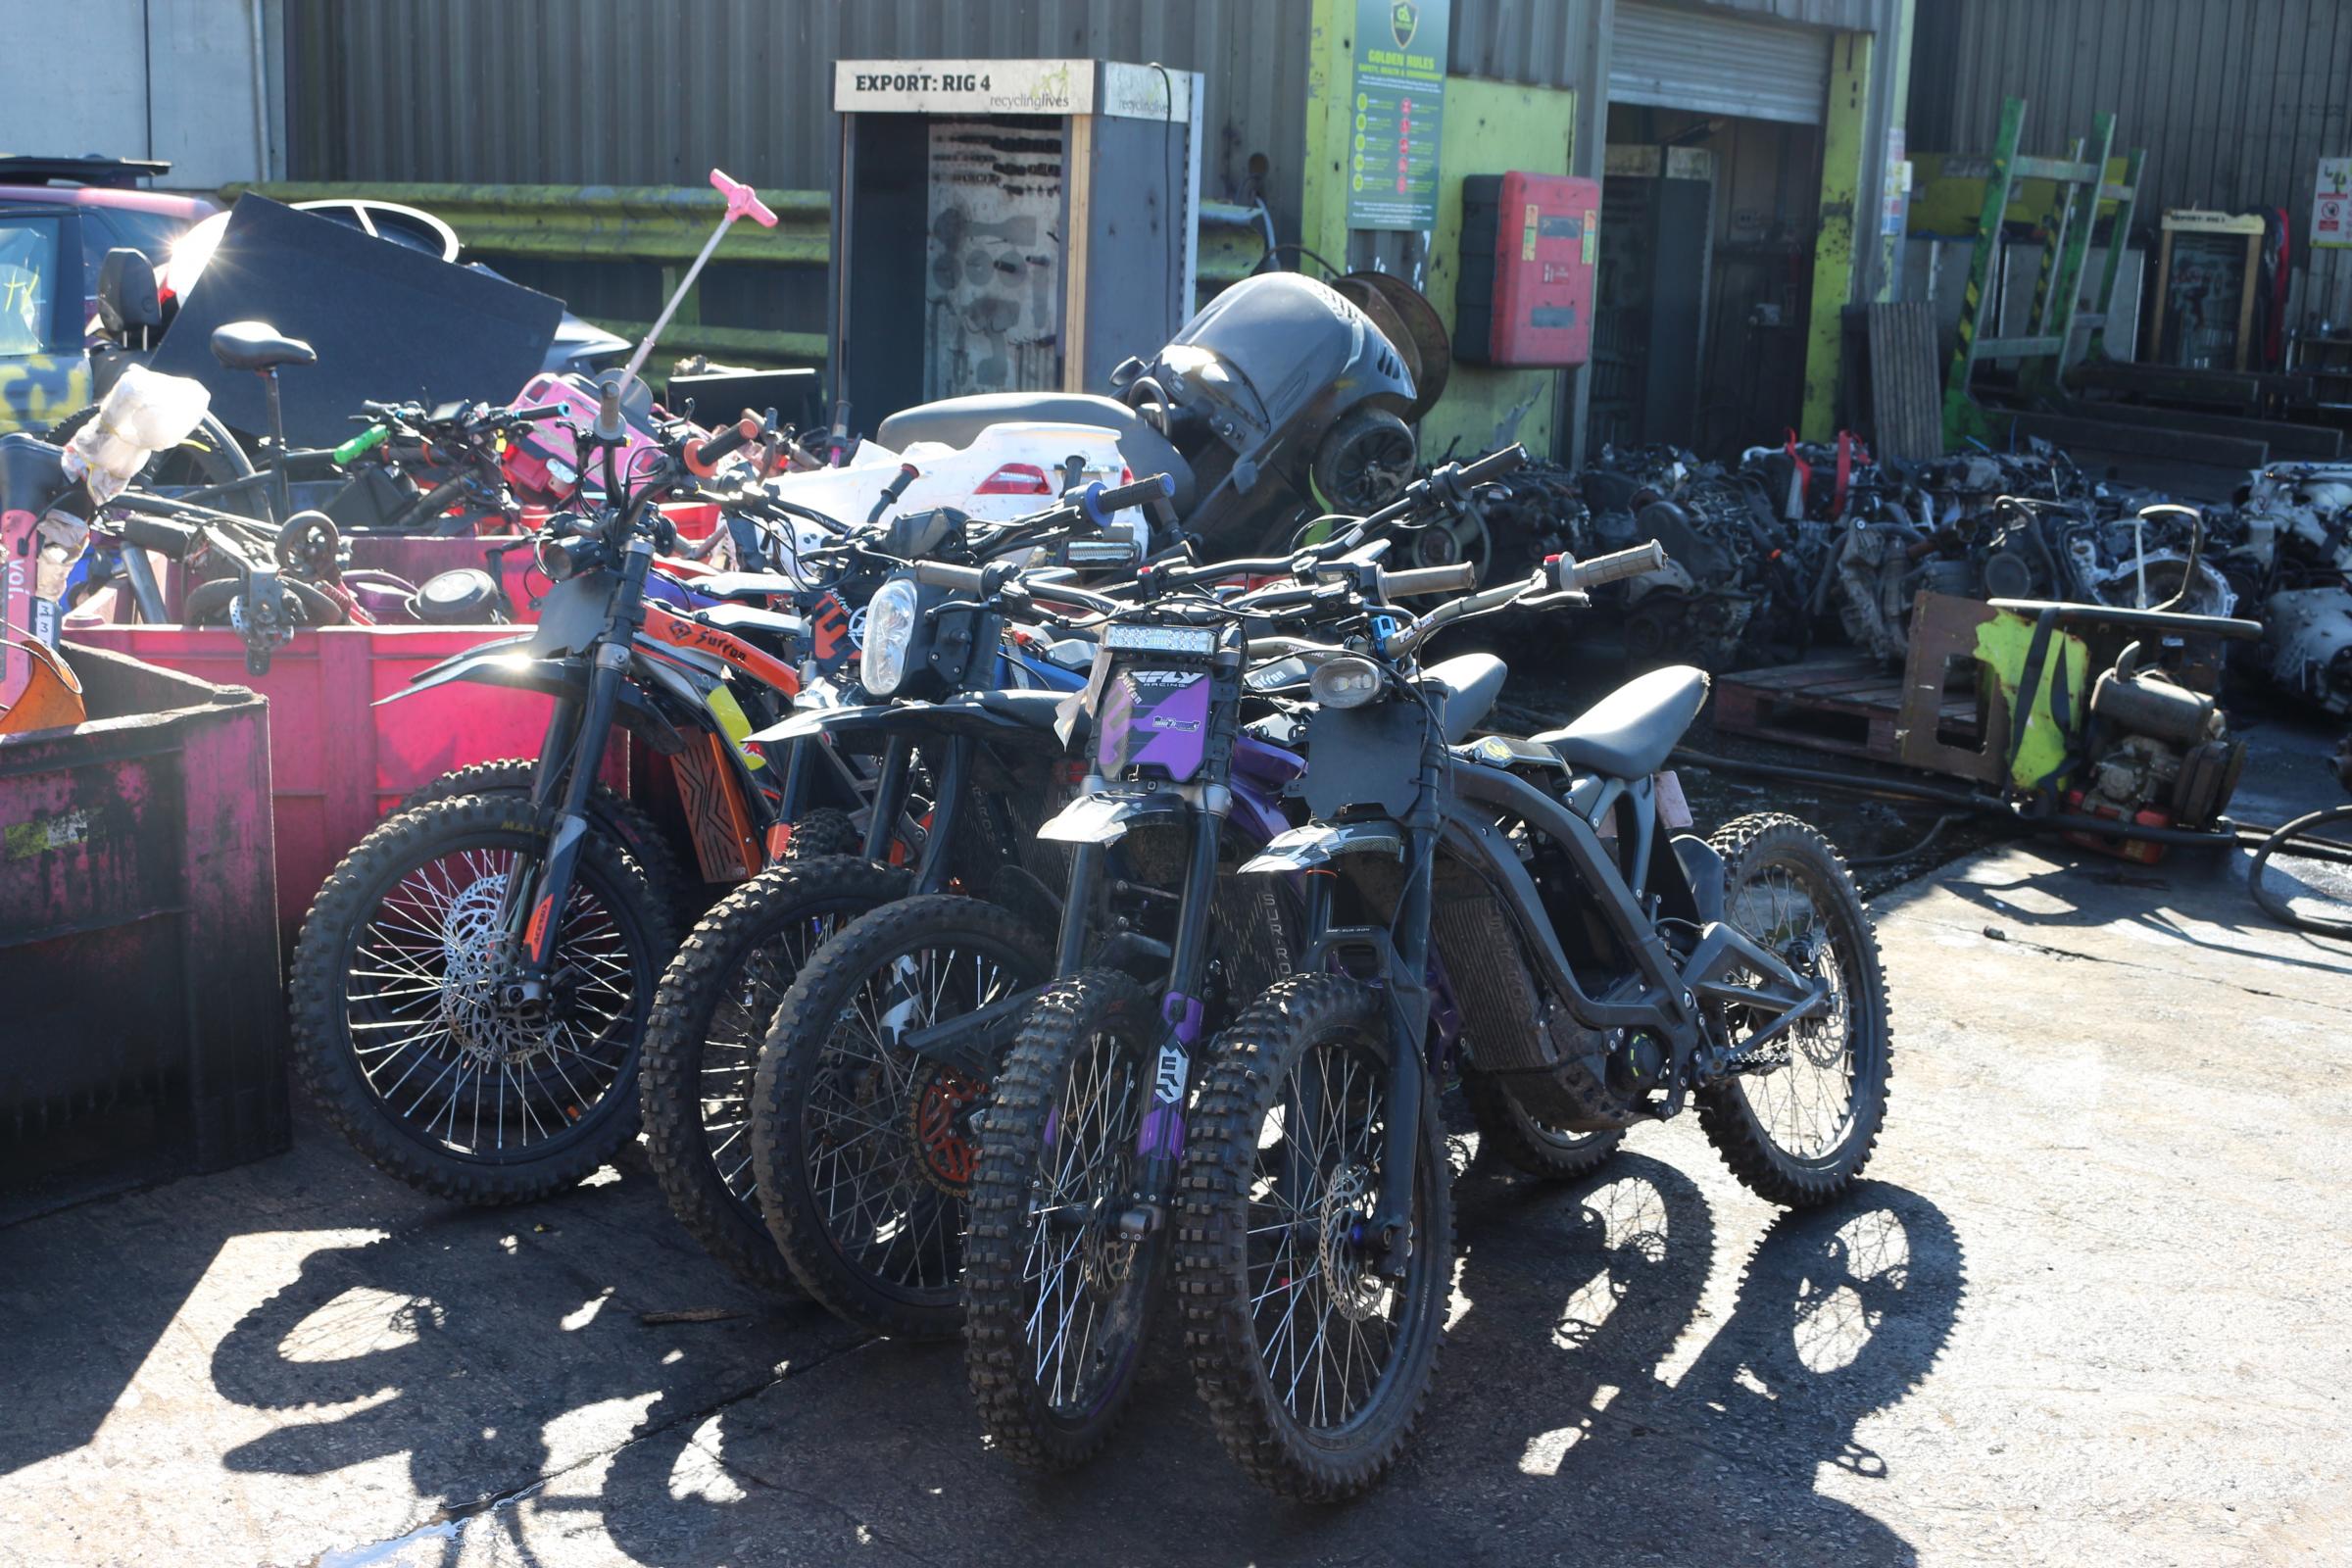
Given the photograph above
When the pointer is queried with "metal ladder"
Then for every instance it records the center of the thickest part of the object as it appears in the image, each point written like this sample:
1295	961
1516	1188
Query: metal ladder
2048	347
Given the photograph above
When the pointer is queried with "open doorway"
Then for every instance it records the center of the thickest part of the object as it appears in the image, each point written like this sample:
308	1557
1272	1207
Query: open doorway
1705	279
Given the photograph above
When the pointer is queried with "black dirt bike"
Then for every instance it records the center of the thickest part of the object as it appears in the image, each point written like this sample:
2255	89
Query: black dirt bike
1528	908
964	761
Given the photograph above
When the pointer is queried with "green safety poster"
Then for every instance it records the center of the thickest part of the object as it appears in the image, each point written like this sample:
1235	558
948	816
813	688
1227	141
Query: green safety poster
1400	107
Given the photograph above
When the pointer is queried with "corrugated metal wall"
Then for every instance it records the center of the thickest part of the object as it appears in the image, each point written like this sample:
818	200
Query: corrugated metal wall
657	92
2235	101
641	93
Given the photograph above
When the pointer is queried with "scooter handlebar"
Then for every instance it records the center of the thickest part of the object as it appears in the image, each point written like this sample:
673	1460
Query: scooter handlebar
742	200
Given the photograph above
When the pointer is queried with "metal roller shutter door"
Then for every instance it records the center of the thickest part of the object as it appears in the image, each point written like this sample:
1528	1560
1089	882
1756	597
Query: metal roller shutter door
1718	64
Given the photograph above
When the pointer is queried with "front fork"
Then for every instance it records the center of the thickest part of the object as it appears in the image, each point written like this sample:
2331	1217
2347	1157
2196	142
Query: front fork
533	920
1159	1147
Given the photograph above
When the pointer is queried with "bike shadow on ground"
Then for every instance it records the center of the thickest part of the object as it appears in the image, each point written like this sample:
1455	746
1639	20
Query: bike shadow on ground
1588	1406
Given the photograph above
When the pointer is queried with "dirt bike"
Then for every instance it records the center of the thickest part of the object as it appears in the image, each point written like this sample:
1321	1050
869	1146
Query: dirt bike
1083	1141
954	712
1525	909
471	985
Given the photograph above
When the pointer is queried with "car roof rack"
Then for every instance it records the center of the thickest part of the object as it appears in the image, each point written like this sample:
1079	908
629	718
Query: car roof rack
89	169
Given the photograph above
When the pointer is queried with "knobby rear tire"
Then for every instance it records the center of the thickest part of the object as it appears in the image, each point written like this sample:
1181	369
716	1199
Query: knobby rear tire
1753	848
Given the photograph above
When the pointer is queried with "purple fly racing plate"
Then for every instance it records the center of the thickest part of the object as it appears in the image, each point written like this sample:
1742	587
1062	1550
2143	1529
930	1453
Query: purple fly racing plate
1156	719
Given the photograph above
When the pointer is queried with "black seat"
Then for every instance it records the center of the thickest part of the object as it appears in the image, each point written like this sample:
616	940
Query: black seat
257	346
739	619
746	586
1627	733
1471	682
1036	708
959	421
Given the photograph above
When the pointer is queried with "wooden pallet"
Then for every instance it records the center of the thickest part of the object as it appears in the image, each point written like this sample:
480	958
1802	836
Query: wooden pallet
1844	704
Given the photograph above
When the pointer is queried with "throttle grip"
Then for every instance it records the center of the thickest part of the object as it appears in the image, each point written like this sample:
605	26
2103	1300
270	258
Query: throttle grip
1142	492
1458	578
1639	561
1495	465
706	456
947	575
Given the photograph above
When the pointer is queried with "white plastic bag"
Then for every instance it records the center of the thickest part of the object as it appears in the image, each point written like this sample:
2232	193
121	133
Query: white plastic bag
146	413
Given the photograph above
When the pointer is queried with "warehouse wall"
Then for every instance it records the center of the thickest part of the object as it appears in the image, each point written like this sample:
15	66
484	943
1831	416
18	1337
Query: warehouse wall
192	83
2235	101
636	93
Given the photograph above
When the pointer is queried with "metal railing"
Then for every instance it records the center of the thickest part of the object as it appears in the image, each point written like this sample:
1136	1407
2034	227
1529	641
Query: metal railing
665	225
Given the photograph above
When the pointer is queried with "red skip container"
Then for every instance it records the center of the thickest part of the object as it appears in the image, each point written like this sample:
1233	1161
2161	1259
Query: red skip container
338	764
142	1017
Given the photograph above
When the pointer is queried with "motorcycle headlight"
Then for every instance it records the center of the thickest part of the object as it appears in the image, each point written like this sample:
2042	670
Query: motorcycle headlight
1346	681
890	618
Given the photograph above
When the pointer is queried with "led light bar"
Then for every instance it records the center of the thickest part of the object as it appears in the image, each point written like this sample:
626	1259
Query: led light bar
1160	639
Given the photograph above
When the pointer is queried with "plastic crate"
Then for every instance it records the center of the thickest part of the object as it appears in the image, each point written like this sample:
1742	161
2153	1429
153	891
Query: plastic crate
337	762
142	1019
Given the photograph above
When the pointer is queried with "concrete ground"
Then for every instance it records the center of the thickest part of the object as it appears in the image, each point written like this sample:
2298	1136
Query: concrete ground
2094	1304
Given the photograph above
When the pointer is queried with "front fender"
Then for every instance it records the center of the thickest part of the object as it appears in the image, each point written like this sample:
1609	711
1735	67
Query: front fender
1319	843
1106	819
505	663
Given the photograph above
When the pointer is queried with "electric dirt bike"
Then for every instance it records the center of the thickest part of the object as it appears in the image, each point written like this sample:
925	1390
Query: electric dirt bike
1525	908
956	710
471	985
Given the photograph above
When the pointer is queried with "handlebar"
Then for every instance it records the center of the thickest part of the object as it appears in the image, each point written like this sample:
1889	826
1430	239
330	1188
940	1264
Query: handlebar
175	541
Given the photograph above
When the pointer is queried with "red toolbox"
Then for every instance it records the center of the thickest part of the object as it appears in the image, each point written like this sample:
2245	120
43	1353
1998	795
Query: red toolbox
1530	251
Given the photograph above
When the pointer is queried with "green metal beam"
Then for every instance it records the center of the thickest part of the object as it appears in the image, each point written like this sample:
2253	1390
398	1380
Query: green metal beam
1846	136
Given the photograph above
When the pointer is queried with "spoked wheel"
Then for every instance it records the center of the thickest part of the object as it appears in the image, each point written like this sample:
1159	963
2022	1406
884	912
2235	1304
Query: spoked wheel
402	1032
1062	1263
864	1148
1513	1134
1312	1356
1796	1117
702	1050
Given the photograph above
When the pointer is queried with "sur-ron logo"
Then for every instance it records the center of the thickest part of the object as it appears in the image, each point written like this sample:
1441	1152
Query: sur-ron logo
1404	19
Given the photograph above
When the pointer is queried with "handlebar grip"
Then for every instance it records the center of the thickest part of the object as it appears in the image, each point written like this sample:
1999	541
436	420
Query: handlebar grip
172	540
703	456
1495	465
539	411
1142	492
1459	577
1617	566
947	575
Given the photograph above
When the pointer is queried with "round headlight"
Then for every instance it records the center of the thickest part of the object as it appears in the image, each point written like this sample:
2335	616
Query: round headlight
889	630
1348	681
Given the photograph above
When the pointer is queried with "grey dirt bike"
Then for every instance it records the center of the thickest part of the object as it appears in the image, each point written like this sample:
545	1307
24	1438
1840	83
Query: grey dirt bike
1525	910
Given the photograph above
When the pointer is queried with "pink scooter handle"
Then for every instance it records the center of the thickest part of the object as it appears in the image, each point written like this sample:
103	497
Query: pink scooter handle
742	200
